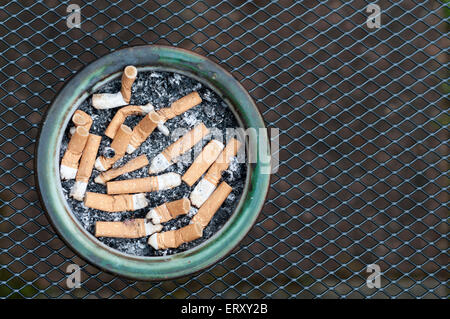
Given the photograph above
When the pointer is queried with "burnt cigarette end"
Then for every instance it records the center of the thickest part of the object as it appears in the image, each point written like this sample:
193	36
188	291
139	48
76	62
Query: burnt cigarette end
108	152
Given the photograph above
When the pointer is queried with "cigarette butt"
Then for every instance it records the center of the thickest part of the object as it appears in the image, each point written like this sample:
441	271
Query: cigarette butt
128	76
206	186
132	165
119	145
116	203
121	139
132	228
111	100
69	162
174	238
222	162
146	184
203	161
186	102
181	146
88	158
168	211
86	165
186	142
180	106
122	114
81	118
212	204
143	130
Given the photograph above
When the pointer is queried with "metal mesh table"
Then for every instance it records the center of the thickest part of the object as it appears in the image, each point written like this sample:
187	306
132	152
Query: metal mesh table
363	127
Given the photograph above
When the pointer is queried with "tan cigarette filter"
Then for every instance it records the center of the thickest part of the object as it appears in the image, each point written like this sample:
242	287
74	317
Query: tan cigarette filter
214	173
69	162
119	144
132	165
179	147
86	165
146	184
81	118
88	158
212	204
186	142
180	106
143	130
116	203
122	114
174	238
132	228
168	211
128	76
203	161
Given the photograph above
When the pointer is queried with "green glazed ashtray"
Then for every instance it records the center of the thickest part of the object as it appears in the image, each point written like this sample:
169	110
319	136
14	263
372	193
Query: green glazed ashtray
164	59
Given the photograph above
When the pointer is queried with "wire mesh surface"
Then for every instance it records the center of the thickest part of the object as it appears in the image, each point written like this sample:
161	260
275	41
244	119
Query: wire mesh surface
363	130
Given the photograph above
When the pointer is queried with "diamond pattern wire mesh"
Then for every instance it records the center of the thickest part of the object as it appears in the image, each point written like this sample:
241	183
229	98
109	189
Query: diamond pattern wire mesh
363	131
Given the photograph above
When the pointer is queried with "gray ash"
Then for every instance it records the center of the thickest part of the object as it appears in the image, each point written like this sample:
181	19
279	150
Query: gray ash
159	89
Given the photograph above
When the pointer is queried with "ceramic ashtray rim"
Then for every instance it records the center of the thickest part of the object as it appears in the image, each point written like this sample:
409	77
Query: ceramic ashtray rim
84	243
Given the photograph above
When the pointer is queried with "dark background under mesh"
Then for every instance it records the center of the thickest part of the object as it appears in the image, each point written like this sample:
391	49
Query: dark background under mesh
362	120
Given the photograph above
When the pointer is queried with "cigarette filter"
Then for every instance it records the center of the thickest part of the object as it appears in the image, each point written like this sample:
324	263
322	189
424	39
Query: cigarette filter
69	162
81	118
176	108
132	228
168	211
119	145
146	184
209	182
128	76
174	238
143	130
181	146
111	100
203	161
212	204
122	114
117	203
86	165
132	165
180	106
